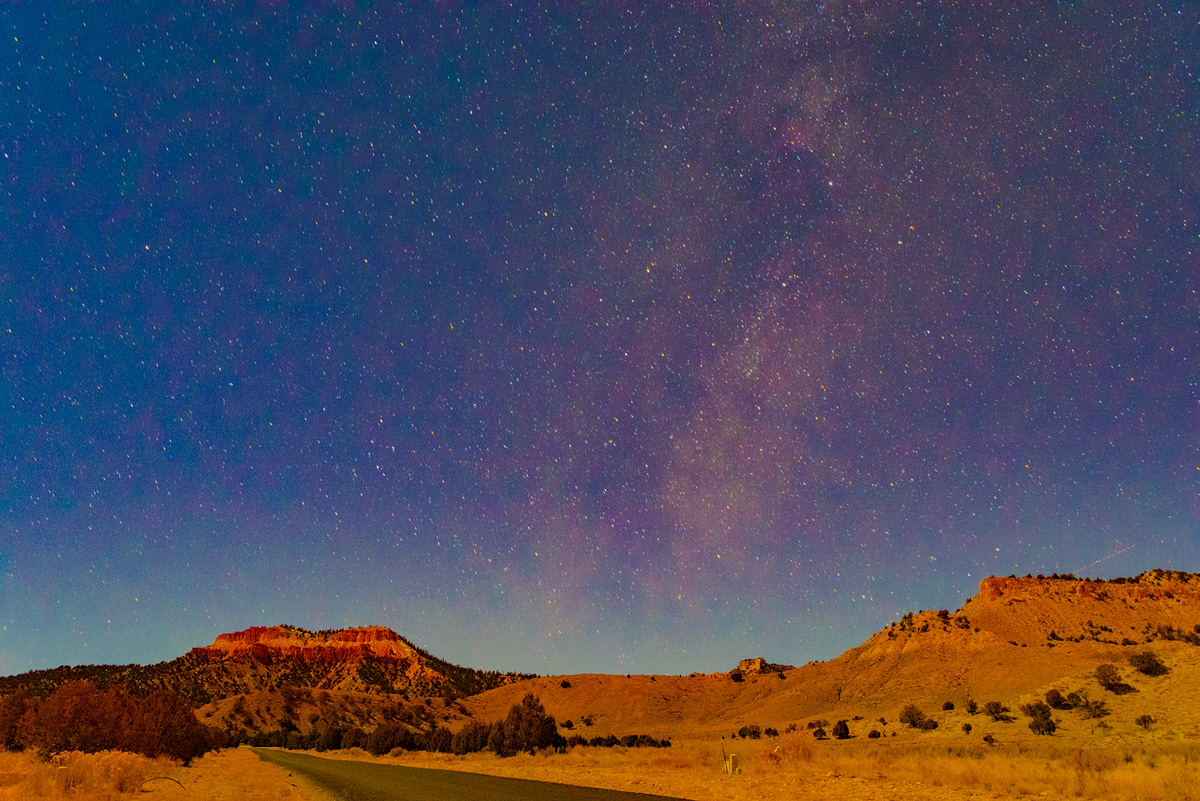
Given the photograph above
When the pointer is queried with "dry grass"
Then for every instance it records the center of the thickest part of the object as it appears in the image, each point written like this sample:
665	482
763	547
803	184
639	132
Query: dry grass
796	766
112	775
1157	771
107	775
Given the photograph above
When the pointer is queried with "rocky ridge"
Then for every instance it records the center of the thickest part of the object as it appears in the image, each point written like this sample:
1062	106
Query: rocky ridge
287	642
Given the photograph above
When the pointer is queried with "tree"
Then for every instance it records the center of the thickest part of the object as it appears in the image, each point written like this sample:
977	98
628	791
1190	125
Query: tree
79	716
438	739
841	730
1145	721
948	706
470	739
820	734
527	726
354	737
385	737
330	739
972	707
966	727
164	723
76	717
12	708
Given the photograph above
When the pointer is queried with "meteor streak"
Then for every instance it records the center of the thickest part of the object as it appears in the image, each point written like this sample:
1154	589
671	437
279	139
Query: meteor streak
1105	559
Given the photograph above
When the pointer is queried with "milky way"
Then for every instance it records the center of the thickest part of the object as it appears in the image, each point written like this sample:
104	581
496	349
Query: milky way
643	340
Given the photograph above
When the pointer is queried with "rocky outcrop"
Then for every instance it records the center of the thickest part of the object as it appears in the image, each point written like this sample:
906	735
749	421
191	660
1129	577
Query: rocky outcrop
347	645
755	665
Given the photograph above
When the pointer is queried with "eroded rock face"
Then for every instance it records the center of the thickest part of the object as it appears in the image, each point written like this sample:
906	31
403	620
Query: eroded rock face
1151	585
347	645
756	665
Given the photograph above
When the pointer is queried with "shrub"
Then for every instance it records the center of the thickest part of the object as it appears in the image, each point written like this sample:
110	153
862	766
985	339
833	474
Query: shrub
354	738
1108	676
820	734
912	716
1147	663
948	706
736	675
997	711
566	685
972	707
841	730
989	739
966	728
1145	721
770	732
1042	723
874	734
928	724
1090	709
1055	700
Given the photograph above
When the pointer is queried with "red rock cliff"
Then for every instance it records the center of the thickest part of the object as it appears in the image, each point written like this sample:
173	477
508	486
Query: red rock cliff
346	645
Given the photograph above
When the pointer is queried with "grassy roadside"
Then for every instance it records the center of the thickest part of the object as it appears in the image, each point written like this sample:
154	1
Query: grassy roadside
230	775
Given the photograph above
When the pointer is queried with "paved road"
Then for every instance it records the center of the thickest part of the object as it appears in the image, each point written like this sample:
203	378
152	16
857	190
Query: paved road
369	781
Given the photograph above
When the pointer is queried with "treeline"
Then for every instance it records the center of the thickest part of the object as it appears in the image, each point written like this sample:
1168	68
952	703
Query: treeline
80	716
526	727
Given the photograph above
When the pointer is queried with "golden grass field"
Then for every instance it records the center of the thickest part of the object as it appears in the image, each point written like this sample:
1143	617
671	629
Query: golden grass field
793	766
230	775
907	766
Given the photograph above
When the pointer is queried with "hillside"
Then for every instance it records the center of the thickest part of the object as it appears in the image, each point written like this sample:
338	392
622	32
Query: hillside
267	678
1017	636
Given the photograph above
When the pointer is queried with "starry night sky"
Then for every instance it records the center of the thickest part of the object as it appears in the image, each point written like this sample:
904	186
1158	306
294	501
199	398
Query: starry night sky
637	340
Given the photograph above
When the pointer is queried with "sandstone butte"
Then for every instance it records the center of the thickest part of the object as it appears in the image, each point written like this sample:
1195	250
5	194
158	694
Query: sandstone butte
284	642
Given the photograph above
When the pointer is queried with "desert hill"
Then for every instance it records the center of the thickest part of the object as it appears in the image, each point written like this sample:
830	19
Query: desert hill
1015	638
272	677
1012	641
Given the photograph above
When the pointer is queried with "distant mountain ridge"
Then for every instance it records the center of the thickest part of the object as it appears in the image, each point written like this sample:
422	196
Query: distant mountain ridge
1016	636
371	659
